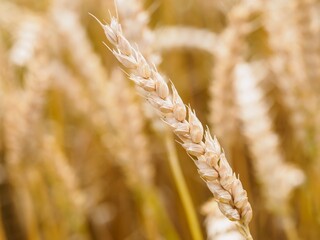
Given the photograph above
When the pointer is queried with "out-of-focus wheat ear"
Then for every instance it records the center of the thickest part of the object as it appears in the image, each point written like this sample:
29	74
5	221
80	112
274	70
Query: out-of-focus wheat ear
195	38
230	47
288	63
136	155
211	162
68	84
307	30
81	51
263	141
17	121
217	226
36	187
22	122
133	153
132	13
23	110
66	196
27	37
11	15
23	114
306	60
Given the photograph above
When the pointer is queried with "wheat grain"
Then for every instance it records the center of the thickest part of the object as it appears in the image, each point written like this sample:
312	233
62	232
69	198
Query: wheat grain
211	162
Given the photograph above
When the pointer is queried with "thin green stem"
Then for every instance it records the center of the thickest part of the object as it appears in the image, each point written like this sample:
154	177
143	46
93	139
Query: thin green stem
149	200
182	188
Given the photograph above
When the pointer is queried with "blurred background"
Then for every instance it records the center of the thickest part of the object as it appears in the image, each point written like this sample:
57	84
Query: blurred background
82	156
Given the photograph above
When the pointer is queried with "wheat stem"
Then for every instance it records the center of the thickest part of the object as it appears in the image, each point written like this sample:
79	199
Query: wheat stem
182	188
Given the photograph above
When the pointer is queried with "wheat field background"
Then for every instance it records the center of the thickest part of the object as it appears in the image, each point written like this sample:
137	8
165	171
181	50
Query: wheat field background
83	154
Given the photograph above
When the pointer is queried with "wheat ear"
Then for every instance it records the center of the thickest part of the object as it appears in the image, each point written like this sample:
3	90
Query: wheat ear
210	159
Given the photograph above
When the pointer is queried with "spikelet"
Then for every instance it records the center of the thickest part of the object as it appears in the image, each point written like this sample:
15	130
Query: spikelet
263	141
166	38
225	186
217	226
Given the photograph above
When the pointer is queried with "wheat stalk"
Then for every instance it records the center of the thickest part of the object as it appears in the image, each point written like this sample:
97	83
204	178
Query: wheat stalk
210	159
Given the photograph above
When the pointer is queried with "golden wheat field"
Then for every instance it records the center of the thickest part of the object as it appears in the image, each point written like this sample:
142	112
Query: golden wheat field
159	119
